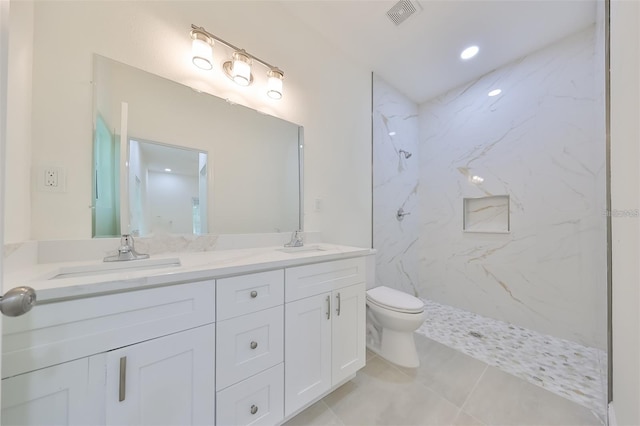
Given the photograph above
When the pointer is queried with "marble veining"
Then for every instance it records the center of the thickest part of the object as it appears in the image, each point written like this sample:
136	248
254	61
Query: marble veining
542	143
168	243
395	185
11	248
565	368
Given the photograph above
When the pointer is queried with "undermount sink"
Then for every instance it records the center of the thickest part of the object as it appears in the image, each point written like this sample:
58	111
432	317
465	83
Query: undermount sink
300	249
114	267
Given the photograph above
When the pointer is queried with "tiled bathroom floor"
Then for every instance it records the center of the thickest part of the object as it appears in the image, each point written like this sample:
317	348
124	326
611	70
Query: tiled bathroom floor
565	368
449	388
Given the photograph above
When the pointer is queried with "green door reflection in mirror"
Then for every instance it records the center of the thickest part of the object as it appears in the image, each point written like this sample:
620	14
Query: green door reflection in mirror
106	184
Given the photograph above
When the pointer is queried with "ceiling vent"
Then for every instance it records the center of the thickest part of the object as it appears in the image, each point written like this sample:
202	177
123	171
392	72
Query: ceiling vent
403	10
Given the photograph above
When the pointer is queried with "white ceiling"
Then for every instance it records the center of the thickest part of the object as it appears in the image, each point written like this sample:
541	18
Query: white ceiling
420	57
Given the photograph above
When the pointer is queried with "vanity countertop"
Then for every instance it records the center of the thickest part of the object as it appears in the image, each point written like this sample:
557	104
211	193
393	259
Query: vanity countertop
193	266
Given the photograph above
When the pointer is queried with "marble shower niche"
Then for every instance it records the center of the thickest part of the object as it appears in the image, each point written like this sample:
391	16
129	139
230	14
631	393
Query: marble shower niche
486	214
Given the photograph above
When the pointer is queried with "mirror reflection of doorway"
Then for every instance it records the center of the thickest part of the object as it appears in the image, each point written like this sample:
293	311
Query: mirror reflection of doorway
163	182
106	184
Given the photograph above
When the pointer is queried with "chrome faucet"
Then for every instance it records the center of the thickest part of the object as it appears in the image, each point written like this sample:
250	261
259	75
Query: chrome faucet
126	251
296	239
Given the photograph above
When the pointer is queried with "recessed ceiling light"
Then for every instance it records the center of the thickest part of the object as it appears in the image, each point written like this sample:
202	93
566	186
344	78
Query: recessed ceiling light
392	133
167	170
469	52
494	92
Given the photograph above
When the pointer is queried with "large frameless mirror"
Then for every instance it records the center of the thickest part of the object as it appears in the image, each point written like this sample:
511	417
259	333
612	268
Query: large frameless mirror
169	159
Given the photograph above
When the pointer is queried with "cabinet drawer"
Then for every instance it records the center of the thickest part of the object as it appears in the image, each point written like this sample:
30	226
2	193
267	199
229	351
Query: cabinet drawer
58	332
309	280
249	293
259	400
248	344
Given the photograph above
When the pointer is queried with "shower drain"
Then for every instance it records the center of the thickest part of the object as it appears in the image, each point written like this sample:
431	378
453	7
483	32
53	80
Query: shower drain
476	334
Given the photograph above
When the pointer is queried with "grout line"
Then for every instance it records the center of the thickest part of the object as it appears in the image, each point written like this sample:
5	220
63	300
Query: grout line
473	389
335	415
427	387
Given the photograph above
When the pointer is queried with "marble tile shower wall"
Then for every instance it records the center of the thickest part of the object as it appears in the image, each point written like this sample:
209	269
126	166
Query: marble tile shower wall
541	141
395	186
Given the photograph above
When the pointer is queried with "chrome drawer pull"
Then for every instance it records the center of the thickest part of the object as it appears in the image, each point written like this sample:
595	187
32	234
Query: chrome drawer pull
338	308
123	379
254	294
254	409
254	345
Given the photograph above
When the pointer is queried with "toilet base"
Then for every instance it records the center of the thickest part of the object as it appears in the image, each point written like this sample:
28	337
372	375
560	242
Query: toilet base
398	347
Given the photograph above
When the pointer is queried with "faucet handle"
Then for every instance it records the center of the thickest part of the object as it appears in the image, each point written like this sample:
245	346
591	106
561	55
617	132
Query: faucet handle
296	239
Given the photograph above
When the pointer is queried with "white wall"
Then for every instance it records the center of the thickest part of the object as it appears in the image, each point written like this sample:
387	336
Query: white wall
154	36
625	136
395	185
541	142
18	187
170	201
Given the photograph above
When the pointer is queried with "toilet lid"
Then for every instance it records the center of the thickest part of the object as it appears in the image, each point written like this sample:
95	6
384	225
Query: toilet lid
395	300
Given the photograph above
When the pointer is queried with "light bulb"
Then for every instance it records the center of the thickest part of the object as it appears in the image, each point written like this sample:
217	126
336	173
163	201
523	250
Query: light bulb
201	50
241	68
274	84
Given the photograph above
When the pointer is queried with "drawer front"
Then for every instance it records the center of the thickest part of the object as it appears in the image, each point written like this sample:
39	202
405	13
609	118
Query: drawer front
259	400
58	332
248	344
249	293
309	280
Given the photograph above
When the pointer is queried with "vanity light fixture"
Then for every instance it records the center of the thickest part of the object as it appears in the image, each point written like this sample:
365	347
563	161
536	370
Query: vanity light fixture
238	68
201	49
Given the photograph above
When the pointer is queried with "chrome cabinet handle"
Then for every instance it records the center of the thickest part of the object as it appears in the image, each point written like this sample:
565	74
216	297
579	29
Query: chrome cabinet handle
17	301
254	409
338	308
123	379
254	294
254	345
328	307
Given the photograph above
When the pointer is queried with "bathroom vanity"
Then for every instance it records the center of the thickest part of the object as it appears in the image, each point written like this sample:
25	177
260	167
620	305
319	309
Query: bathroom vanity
229	338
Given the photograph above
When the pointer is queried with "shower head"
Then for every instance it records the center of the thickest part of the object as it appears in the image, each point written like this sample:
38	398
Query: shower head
406	154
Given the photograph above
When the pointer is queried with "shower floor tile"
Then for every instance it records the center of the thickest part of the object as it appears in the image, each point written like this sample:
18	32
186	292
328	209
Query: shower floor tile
563	367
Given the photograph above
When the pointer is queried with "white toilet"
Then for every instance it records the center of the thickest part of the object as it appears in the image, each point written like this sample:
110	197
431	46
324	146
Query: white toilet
393	316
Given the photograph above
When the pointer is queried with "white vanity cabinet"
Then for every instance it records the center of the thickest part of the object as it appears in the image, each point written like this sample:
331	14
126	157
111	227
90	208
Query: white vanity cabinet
71	393
250	355
168	380
246	349
137	357
324	328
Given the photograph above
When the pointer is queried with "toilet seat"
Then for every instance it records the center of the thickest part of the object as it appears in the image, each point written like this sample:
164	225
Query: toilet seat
395	300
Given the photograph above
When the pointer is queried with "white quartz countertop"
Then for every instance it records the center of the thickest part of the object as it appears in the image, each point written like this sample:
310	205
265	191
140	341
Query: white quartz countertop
193	266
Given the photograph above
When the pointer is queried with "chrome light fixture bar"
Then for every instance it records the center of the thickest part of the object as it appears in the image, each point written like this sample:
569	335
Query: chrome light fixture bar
238	68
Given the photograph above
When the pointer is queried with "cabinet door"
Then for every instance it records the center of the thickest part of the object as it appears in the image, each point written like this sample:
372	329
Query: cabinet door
307	350
348	332
164	381
65	394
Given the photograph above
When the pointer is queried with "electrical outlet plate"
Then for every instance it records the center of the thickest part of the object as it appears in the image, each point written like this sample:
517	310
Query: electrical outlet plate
51	179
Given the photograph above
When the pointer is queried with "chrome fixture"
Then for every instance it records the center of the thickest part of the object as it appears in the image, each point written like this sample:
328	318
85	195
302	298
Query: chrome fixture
400	214
126	251
406	154
238	68
296	239
17	301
